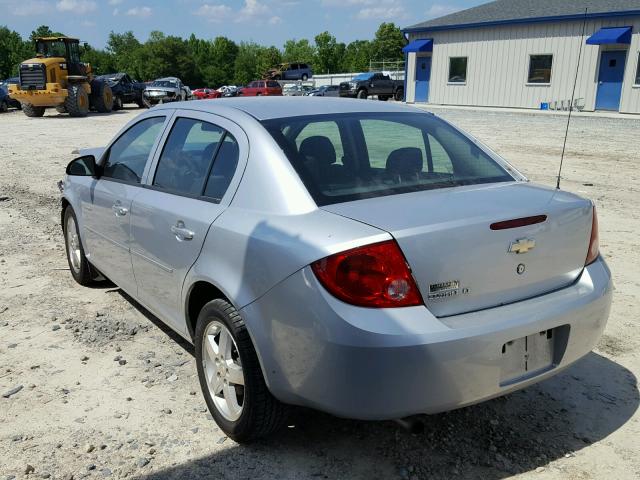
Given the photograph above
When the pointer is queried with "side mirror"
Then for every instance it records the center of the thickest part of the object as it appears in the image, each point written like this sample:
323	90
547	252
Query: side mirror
83	167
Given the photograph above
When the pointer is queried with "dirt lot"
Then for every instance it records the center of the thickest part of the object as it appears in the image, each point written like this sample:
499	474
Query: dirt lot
108	392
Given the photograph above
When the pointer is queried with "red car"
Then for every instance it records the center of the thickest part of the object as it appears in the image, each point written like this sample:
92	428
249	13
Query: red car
261	87
203	93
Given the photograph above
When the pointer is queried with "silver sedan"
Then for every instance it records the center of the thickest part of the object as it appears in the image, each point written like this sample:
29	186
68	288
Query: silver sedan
365	259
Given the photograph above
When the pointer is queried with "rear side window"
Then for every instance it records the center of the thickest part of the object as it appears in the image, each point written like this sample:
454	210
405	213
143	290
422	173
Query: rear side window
187	155
128	155
223	168
353	156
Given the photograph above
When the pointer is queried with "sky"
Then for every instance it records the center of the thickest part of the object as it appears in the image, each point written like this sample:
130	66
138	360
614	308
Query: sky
268	22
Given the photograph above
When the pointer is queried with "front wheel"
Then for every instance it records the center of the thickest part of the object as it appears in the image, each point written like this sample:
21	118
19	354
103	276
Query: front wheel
4	106
230	375
362	94
78	263
399	95
305	77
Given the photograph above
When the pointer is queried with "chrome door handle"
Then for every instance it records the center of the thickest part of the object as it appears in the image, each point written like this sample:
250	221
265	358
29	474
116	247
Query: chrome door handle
119	210
181	232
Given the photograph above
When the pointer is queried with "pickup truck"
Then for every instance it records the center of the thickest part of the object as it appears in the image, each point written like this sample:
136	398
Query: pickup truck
366	84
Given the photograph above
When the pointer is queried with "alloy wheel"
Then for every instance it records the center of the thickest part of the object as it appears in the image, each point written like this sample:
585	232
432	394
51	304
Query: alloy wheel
223	370
73	245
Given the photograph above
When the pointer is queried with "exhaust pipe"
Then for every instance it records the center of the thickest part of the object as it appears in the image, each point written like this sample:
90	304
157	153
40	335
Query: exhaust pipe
411	424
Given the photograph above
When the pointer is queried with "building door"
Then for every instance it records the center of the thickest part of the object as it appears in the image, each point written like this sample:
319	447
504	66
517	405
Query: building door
610	80
423	74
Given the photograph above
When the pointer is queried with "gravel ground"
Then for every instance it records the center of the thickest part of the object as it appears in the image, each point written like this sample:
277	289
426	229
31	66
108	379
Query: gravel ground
93	386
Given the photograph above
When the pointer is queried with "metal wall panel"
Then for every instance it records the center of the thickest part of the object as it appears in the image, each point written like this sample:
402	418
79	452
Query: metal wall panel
498	64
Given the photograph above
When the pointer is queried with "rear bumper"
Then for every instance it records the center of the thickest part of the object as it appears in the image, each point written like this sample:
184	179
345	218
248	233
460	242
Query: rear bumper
363	363
51	96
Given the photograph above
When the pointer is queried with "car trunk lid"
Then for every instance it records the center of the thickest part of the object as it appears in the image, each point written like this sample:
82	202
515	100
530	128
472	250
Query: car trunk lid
460	263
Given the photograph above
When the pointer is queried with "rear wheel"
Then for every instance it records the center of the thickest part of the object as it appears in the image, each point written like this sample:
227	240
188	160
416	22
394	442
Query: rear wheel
32	111
305	77
77	102
101	96
231	377
399	95
362	94
78	263
4	106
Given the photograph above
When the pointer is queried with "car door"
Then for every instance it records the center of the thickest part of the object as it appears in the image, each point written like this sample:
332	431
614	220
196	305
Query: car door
106	213
128	88
188	188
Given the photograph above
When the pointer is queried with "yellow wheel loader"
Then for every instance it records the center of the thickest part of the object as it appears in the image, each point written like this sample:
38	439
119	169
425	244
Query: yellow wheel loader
56	78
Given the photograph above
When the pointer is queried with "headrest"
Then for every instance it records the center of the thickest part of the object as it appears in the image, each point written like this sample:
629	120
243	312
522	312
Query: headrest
405	161
318	148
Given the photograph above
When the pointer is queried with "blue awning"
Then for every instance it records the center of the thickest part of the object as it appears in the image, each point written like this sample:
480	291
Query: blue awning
606	36
422	45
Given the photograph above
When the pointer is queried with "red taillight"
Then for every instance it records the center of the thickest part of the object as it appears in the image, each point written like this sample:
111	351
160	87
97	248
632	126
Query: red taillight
594	242
371	276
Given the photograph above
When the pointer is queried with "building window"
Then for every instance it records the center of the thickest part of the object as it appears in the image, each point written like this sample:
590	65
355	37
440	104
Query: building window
638	71
457	69
540	68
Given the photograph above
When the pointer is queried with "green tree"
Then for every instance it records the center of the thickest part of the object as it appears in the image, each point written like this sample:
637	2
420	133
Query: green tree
126	52
388	43
44	31
13	50
356	56
298	51
328	53
101	61
267	58
246	64
220	66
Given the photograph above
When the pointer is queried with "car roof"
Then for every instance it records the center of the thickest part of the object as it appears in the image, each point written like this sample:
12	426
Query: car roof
265	108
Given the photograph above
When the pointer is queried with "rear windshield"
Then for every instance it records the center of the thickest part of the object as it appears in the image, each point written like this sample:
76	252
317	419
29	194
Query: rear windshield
163	83
353	156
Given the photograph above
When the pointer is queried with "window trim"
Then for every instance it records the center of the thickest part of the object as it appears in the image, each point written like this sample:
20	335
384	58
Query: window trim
528	81
466	71
107	153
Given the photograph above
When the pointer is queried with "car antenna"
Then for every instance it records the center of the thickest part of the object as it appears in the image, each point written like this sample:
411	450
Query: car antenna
573	94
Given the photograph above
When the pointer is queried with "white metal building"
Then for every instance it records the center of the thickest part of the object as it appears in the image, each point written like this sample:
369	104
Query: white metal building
524	53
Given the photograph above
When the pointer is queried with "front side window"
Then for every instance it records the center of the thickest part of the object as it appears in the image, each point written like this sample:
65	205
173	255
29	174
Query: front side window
638	71
187	155
128	155
457	70
540	68
51	48
353	156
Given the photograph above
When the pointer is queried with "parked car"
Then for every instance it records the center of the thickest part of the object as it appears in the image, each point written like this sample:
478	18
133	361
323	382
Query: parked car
261	87
10	102
326	91
364	259
367	84
290	71
204	93
229	91
124	89
162	90
294	90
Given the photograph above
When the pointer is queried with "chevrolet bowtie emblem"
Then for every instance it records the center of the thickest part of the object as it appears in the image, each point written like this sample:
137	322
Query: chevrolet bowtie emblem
522	245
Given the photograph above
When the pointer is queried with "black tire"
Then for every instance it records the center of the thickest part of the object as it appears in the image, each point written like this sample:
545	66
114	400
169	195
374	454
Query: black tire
83	273
77	101
117	103
32	111
305	77
362	94
399	95
61	109
262	414
101	96
4	106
